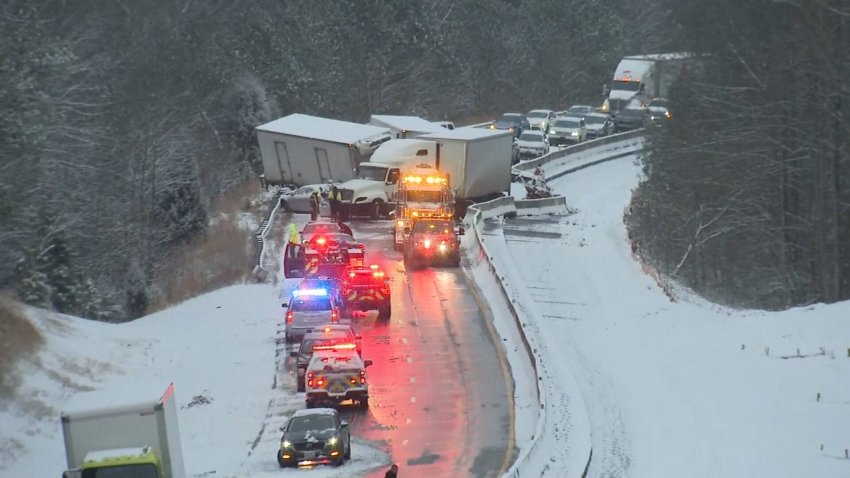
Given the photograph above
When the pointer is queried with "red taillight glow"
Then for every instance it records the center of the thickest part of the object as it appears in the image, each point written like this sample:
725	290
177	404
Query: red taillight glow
334	315
320	382
289	317
362	376
321	241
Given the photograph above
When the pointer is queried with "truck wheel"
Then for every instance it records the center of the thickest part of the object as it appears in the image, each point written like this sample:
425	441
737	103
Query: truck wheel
385	311
309	404
299	386
347	455
376	209
364	403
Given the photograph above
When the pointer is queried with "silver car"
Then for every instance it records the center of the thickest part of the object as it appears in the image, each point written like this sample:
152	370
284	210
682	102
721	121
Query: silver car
309	309
299	199
540	119
532	143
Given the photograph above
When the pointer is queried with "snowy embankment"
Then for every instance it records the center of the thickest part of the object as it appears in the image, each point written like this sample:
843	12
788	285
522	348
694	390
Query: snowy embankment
685	388
220	351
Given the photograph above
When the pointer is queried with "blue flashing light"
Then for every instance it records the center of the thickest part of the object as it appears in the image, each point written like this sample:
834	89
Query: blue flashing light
310	293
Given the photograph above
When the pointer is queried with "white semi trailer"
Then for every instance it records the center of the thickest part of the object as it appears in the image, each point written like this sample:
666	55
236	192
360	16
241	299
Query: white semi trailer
140	440
477	160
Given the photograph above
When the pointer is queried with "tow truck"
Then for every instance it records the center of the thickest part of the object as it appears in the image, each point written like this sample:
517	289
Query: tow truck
432	241
366	288
423	192
324	255
335	376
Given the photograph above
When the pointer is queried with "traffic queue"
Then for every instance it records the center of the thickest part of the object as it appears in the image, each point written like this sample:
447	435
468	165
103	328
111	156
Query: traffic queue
335	284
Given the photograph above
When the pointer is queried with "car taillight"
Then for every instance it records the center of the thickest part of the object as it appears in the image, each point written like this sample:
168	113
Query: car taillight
310	379
320	382
289	317
362	376
334	315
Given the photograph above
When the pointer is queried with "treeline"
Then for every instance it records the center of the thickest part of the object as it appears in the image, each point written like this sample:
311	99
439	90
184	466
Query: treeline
122	121
747	193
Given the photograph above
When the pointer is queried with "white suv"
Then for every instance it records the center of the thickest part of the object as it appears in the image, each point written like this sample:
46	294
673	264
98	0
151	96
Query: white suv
307	309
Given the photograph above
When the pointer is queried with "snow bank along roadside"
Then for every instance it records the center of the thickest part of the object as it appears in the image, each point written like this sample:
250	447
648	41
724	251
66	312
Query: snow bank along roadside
561	443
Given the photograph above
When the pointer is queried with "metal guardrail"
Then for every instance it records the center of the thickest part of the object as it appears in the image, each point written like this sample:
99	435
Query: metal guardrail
259	271
607	143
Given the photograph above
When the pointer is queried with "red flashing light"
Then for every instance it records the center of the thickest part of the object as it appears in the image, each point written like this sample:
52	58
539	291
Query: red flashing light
347	346
289	317
334	315
321	241
362	376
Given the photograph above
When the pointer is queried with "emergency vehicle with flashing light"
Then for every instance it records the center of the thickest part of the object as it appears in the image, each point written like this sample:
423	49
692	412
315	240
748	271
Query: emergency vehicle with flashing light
324	255
432	241
365	288
307	309
326	337
336	376
423	192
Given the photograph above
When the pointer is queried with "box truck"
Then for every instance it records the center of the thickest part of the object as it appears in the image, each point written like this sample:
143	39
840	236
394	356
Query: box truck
477	160
140	440
644	77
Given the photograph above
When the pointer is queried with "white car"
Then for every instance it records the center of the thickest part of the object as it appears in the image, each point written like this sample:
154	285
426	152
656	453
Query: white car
567	130
299	199
532	143
540	119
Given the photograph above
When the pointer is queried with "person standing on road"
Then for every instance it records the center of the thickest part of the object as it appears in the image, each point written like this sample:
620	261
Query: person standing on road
335	197
314	206
392	472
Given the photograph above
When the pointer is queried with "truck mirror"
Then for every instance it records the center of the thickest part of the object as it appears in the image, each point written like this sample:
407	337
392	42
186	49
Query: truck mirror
344	424
605	89
282	428
284	305
461	231
367	363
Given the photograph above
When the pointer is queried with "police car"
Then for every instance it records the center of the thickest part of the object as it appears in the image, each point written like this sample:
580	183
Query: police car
336	376
308	309
327	337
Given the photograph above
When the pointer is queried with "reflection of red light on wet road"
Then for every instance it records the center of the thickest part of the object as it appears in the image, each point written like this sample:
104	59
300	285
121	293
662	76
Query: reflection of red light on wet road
437	395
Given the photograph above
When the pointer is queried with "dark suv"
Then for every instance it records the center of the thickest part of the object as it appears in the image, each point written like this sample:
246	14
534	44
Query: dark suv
316	435
432	241
513	122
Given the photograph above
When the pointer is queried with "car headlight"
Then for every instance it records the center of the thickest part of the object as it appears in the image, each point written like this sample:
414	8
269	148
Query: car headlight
286	444
574	133
551	131
333	441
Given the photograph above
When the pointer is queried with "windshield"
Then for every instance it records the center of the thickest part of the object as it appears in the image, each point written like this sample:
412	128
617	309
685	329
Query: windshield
312	422
423	196
565	123
509	119
626	85
433	226
303	190
315	228
579	109
529	136
144	470
537	114
657	103
595	120
313	304
373	173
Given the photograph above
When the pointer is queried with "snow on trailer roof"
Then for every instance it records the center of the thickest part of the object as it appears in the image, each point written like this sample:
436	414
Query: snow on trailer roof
324	129
661	56
406	123
466	134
